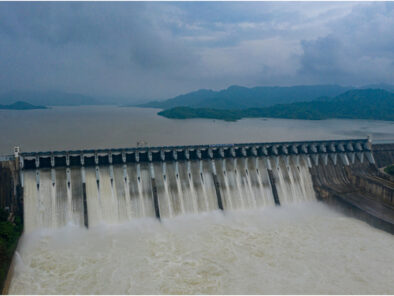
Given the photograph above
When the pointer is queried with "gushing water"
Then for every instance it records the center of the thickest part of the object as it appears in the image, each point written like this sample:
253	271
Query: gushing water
120	193
303	248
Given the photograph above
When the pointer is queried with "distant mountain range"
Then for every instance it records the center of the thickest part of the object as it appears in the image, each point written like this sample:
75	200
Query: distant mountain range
374	104
238	97
48	98
21	106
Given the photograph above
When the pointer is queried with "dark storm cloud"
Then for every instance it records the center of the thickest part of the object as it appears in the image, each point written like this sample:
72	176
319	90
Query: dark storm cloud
155	50
97	48
359	49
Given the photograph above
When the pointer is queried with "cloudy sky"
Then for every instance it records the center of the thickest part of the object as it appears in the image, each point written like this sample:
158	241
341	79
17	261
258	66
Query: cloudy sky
157	50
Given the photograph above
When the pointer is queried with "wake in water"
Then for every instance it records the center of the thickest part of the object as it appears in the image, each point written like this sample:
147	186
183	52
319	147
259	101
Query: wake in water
120	193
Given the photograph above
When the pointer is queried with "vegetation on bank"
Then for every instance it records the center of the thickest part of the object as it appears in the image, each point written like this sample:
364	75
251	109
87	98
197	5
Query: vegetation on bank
9	236
238	97
187	112
389	170
21	106
373	104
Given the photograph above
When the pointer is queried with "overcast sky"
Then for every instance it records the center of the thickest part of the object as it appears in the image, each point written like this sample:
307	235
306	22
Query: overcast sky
157	50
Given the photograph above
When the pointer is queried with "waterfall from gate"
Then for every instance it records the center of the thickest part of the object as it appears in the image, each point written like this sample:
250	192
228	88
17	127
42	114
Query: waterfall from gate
118	193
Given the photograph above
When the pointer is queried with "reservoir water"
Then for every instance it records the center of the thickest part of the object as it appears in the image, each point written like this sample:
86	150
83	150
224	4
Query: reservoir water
252	247
67	128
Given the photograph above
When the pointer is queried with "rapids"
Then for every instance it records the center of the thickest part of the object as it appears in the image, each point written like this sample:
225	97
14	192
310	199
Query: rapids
298	248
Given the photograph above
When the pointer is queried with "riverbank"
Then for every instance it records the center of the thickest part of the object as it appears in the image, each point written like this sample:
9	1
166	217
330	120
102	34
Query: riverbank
10	231
11	220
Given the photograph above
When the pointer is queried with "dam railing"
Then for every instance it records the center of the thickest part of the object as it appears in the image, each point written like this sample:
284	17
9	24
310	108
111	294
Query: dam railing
347	149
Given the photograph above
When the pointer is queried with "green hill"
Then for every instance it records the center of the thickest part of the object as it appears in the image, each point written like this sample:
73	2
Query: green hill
374	104
238	97
21	106
190	99
48	98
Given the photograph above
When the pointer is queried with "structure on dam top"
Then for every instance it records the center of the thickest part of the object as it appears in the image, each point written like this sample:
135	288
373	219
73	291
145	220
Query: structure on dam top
347	150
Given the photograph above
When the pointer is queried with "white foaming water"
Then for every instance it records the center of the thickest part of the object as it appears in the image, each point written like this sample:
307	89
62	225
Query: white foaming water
120	193
298	248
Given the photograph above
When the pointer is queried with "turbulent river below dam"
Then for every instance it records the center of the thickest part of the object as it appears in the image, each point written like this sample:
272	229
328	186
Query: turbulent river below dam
251	247
299	248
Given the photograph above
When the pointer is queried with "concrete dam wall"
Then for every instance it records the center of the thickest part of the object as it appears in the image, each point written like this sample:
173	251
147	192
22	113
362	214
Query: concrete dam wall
361	189
384	154
90	187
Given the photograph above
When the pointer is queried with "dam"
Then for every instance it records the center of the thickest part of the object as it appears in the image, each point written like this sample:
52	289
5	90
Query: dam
158	194
90	187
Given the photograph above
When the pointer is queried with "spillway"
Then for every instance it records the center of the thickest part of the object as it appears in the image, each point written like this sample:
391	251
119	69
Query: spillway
93	187
120	193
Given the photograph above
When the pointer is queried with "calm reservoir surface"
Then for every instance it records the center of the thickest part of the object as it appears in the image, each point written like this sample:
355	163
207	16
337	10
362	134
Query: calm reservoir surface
62	128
